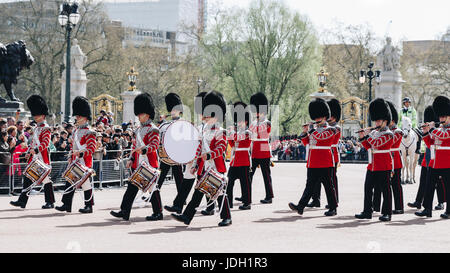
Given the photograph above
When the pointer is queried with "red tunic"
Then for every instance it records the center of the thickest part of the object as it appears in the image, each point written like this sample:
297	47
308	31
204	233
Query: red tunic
260	138
84	137
398	136
240	143
334	147
438	140
319	149
215	136
43	132
380	143
150	138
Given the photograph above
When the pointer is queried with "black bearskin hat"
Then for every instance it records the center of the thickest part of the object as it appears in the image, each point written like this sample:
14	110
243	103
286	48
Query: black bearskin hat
394	112
81	107
214	98
143	103
172	100
428	115
37	105
318	108
259	100
241	112
335	109
379	109
198	102
441	106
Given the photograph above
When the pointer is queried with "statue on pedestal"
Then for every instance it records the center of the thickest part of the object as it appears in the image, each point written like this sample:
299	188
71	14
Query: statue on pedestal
389	56
13	58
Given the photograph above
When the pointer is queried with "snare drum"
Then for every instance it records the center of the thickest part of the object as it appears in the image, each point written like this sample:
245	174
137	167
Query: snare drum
212	184
77	173
179	142
144	177
37	171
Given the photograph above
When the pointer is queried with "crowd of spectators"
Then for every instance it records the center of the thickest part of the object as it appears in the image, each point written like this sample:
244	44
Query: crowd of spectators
291	148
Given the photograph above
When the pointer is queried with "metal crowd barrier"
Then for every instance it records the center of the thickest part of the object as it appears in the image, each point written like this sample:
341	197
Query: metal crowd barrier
108	171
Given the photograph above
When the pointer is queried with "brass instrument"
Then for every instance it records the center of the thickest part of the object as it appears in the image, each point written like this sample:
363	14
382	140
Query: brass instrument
369	128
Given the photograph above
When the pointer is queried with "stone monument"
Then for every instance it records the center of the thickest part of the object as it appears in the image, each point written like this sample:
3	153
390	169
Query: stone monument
390	86
78	80
128	97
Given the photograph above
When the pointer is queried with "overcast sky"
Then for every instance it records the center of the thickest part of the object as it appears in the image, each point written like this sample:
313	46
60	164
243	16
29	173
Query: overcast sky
411	19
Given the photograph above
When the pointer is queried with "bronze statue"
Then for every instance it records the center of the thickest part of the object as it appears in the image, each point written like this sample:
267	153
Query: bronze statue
13	58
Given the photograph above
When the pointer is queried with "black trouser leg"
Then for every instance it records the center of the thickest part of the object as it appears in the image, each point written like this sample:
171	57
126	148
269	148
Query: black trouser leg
225	213
182	195
49	194
335	182
233	173
246	186
24	194
440	191
376	198
212	206
368	192
432	180
422	185
445	174
265	170
317	192
128	199
177	171
156	196
88	197
384	182
397	189
314	176
190	210
68	197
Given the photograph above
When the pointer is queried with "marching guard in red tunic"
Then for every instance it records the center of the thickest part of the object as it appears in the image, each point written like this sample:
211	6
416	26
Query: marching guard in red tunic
146	144
378	142
83	147
38	148
335	111
239	139
428	116
261	153
210	154
318	140
438	140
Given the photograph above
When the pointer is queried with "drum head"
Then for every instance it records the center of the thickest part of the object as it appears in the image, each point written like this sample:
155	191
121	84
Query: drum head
181	141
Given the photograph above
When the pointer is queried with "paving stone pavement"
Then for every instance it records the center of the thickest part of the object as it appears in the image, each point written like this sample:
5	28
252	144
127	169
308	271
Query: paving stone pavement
264	228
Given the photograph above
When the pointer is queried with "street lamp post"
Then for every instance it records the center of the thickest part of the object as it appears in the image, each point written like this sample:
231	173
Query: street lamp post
199	83
68	18
370	75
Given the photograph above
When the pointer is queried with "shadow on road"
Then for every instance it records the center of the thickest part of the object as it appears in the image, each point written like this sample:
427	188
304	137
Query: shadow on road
112	222
417	221
173	229
285	219
34	216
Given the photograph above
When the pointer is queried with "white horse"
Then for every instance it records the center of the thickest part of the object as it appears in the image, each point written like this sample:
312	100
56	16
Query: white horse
408	150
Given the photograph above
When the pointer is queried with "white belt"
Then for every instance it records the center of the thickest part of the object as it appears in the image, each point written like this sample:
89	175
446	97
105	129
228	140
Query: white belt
334	146
312	147
261	139
242	149
435	147
372	152
442	147
396	150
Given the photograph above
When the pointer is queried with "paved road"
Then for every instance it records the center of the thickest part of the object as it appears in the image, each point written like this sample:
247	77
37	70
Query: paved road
265	228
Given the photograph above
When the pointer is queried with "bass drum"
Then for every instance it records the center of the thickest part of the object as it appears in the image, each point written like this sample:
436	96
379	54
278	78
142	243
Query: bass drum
179	142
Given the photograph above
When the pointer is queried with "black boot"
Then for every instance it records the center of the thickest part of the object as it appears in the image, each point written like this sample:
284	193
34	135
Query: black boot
154	217
181	218
173	209
120	214
207	212
48	206
314	204
86	209
18	204
439	206
296	208
225	222
414	205
238	199
385	218
424	212
364	215
266	201
63	208
398	211
331	212
445	215
245	207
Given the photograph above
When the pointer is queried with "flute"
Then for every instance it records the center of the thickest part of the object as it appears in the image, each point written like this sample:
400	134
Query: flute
369	128
436	124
